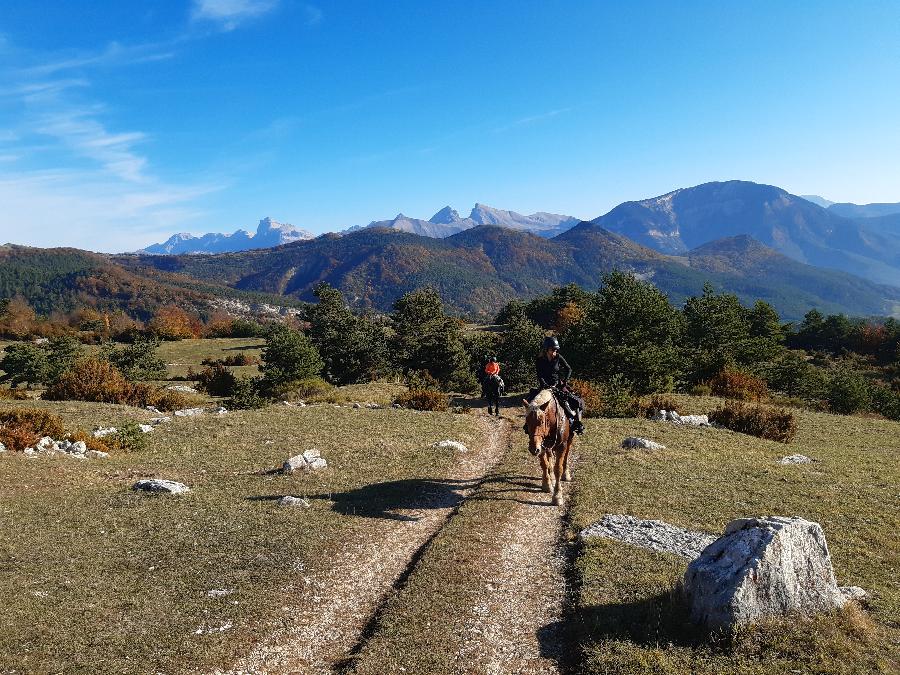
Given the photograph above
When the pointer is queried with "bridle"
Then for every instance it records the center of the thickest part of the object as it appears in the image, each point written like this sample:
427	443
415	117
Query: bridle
558	439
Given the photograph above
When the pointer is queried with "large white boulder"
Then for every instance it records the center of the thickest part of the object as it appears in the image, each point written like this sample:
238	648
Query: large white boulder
456	446
641	443
310	460
760	568
162	486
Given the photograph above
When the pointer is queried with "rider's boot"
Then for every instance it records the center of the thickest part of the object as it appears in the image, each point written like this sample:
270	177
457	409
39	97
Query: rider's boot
577	426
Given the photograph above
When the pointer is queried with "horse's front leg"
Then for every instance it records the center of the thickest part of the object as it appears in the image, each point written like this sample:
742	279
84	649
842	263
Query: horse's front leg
545	467
567	475
558	474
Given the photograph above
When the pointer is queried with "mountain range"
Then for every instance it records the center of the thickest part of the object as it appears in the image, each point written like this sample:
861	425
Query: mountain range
268	233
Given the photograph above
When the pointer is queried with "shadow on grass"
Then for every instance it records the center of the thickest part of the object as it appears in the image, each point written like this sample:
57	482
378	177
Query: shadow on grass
391	498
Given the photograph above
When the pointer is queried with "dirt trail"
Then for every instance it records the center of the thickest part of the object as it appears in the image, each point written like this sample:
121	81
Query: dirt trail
514	627
331	617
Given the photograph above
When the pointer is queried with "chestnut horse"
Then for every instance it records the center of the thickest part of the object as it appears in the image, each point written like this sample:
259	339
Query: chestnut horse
549	438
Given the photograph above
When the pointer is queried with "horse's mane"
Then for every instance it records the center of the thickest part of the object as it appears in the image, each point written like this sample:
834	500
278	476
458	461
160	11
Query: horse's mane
544	397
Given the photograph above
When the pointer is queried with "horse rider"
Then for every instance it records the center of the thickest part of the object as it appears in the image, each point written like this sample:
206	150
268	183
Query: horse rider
490	368
552	373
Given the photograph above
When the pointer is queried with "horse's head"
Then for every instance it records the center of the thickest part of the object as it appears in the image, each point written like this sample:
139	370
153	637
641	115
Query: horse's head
537	422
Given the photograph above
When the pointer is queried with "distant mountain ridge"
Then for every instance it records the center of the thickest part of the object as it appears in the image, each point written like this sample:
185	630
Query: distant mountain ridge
479	269
678	221
268	233
447	222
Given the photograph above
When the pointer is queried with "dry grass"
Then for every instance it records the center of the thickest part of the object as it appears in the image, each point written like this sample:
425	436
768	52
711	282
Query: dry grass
626	615
184	354
98	578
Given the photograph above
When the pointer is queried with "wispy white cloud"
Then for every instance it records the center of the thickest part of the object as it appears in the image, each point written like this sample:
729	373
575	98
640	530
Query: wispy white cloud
314	15
531	119
229	14
115	54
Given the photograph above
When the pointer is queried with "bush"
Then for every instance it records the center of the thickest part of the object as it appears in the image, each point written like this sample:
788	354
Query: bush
618	399
98	381
774	424
424	399
21	428
886	402
24	363
216	380
650	406
245	394
130	437
12	395
239	359
246	328
62	353
737	384
592	395
289	356
701	389
306	389
138	361
848	392
105	444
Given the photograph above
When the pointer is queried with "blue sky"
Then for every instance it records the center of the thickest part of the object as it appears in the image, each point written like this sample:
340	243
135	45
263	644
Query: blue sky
122	122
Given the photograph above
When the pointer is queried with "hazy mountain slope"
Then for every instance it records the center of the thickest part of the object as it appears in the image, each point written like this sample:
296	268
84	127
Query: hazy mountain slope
268	233
854	211
480	269
686	218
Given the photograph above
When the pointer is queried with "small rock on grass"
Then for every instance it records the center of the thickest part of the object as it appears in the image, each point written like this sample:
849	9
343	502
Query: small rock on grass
288	500
642	443
188	412
795	459
456	446
105	431
2	447
161	486
310	460
160	420
145	428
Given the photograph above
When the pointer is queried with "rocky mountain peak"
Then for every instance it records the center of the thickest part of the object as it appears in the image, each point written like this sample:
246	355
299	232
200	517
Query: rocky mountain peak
445	216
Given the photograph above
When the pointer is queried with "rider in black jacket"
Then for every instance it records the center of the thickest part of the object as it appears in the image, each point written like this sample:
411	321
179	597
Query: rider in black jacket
552	373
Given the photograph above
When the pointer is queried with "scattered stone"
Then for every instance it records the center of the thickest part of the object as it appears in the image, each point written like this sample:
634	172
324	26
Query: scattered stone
188	412
686	420
642	443
145	428
183	388
795	459
2	447
310	460
219	592
161	485
160	420
759	568
357	405
96	454
288	500
853	593
456	446
217	629
220	411
396	405
48	446
105	431
650	534
154	410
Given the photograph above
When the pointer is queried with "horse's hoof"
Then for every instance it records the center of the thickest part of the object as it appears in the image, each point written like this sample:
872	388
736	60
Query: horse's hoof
546	488
557	500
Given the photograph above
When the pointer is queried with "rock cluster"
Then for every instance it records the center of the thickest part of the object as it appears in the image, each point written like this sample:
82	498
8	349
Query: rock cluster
687	420
310	460
642	443
188	412
183	388
76	450
161	486
288	500
650	534
795	459
456	446
759	568
2	447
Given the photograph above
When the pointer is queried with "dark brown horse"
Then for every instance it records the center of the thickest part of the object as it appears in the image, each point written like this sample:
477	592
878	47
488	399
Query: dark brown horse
550	438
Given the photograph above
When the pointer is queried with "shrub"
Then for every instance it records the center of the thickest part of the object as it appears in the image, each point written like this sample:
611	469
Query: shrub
165	399
130	437
886	402
592	395
246	328
618	399
62	353
774	424
21	428
105	444
847	392
289	356
239	359
649	406
701	389
216	380
737	384
12	395
245	394
139	361
24	363
424	399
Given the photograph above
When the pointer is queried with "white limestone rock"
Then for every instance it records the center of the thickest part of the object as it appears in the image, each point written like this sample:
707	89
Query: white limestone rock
456	446
650	534
2	447
795	459
761	568
160	420
188	412
105	431
311	460
145	428
161	486
183	388
634	442
288	500
96	454
686	420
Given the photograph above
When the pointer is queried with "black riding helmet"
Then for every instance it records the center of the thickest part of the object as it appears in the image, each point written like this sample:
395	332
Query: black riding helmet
550	343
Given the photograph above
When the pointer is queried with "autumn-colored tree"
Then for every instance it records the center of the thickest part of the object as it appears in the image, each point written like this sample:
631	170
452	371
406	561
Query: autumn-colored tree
173	323
17	318
567	316
219	324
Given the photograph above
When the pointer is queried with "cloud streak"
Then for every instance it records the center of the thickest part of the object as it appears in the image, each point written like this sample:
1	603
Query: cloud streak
229	14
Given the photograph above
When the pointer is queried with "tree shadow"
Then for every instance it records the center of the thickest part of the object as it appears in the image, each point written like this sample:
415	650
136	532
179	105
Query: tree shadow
390	498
